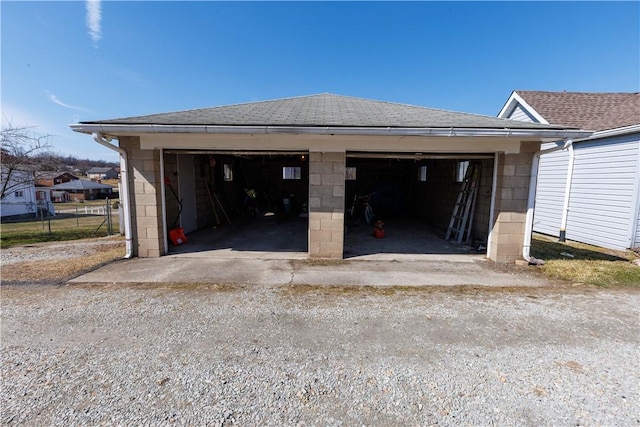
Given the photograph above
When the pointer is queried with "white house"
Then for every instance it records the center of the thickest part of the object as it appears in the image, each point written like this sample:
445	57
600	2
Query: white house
589	192
23	197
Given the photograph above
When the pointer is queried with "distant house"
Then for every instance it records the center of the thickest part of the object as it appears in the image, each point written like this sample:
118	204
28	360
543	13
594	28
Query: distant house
83	189
590	192
60	196
48	179
97	173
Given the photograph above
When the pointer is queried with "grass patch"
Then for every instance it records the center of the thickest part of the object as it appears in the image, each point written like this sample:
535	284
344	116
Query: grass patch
586	264
57	270
62	227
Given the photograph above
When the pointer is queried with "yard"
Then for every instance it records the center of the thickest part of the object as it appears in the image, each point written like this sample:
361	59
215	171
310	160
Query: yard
586	264
72	221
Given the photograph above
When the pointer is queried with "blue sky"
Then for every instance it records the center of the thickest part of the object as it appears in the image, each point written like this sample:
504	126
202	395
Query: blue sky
64	62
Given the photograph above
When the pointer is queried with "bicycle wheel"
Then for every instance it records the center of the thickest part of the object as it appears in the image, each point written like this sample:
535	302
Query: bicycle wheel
368	214
353	217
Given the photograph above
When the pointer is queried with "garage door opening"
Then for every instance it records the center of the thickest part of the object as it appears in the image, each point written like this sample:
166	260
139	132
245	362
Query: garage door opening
414	196
237	203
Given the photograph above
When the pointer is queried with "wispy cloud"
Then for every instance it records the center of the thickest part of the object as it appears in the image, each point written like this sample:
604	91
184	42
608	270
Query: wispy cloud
51	97
94	18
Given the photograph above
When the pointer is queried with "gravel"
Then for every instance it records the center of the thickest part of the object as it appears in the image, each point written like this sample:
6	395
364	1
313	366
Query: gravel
278	355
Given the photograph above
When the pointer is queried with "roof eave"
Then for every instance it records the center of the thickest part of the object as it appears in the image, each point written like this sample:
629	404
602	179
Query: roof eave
125	129
625	130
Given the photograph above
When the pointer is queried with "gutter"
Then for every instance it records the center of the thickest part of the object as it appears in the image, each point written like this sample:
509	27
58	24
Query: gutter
329	130
533	182
124	164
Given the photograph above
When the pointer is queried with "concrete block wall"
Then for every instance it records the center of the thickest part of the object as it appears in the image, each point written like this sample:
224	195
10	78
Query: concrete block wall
326	204
146	200
512	192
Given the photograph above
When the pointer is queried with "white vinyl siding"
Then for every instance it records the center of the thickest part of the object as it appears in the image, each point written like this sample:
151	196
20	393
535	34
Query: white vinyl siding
637	239
602	192
601	204
522	115
552	176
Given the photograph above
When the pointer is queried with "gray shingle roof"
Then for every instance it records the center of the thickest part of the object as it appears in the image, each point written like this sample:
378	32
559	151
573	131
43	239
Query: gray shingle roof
81	184
586	110
97	169
323	110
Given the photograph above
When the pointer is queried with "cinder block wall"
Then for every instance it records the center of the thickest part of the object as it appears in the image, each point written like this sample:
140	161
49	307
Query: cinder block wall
514	171
145	198
326	204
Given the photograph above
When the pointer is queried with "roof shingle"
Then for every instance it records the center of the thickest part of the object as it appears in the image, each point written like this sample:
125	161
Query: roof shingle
586	110
323	110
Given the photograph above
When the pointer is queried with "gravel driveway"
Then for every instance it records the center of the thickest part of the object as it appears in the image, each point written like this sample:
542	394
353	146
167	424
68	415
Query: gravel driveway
292	355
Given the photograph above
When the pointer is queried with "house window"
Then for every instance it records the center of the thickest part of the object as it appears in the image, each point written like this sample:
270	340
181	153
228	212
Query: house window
19	194
228	172
350	173
461	170
422	173
291	172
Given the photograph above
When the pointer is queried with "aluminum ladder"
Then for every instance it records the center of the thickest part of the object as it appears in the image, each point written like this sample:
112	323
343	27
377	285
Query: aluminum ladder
462	216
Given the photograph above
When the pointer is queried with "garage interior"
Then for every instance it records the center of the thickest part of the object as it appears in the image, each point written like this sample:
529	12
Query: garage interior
412	194
237	202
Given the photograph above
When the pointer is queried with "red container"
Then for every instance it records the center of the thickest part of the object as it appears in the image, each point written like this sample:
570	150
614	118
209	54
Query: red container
177	236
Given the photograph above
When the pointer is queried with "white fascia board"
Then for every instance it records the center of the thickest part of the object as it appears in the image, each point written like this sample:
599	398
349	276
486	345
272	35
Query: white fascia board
116	129
613	132
516	99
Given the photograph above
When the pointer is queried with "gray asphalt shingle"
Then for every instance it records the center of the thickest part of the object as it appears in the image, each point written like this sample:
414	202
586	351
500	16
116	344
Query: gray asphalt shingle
323	110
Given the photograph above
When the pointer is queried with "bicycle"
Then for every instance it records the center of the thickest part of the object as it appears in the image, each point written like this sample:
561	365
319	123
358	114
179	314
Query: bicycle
360	208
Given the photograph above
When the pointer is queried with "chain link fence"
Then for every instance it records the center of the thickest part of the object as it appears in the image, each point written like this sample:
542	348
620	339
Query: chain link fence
60	221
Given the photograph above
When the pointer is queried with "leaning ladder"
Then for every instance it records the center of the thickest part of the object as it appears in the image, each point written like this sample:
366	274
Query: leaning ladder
462	216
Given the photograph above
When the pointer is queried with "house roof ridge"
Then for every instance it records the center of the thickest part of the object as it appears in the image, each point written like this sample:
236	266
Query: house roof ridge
521	91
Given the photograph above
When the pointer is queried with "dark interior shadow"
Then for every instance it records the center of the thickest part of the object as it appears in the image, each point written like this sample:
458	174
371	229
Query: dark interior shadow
259	233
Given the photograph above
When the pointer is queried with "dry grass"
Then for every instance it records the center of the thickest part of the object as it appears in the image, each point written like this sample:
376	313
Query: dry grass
58	270
586	264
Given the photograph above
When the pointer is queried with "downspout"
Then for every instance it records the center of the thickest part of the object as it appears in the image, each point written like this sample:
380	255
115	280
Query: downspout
567	191
531	201
124	197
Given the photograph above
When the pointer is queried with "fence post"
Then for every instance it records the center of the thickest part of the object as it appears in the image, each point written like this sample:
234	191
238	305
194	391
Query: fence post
108	214
49	214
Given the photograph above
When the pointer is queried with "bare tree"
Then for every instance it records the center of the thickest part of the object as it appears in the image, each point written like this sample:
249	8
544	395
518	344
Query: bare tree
24	156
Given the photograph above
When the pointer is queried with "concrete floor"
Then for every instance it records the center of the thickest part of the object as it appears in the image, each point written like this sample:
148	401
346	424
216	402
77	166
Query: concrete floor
281	237
274	237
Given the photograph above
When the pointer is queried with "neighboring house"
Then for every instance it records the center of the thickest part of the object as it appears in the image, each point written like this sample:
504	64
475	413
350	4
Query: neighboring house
48	179
324	149
97	173
82	189
590	192
59	196
23	197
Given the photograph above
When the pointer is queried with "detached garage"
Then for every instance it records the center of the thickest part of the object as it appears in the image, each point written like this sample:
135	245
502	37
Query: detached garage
290	173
